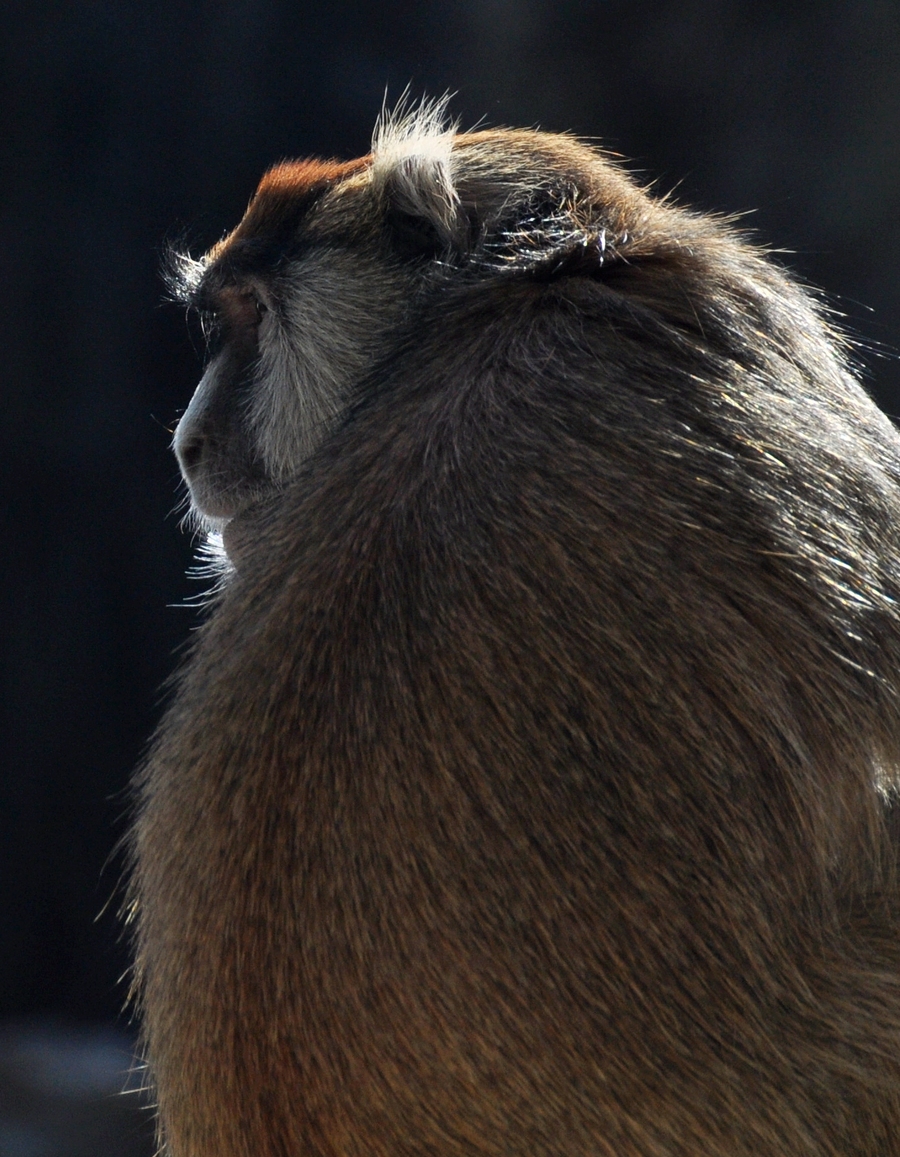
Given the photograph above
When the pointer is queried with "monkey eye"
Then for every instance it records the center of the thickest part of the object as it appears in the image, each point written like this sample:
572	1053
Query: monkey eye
253	307
243	308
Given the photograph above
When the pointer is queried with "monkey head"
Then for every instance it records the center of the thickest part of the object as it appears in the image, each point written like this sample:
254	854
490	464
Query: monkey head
334	269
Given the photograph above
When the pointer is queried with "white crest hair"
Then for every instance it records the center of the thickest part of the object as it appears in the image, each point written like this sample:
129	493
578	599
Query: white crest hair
412	161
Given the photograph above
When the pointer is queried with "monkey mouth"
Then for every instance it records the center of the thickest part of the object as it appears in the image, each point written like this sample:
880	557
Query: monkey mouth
230	521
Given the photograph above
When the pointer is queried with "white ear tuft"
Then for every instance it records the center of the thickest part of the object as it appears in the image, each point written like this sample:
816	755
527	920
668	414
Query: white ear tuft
412	165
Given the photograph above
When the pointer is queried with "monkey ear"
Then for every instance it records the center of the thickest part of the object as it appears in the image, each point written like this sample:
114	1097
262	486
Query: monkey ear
421	206
412	174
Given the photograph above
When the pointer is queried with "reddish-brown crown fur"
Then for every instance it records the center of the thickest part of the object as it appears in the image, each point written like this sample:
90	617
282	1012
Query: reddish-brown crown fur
284	194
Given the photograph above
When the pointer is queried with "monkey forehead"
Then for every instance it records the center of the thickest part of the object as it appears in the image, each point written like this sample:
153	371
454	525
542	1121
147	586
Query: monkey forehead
285	196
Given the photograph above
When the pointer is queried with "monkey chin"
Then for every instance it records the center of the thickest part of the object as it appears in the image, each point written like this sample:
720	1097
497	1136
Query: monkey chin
240	532
236	538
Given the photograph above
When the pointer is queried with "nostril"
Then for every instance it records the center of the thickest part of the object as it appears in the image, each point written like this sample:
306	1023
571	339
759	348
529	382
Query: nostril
190	453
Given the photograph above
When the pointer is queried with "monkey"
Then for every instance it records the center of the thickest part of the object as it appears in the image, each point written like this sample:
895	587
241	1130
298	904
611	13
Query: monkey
528	788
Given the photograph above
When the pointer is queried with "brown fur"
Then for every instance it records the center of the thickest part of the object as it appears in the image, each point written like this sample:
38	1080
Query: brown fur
525	793
284	194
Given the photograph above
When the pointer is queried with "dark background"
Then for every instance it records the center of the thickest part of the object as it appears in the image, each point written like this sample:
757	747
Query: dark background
127	123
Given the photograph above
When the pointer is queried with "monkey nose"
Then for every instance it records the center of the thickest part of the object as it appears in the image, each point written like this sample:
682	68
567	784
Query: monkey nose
190	445
189	452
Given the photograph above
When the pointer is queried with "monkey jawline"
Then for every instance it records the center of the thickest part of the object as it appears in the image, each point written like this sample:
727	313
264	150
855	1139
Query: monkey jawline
240	531
236	538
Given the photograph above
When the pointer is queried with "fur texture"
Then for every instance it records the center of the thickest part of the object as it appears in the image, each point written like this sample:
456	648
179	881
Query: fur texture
528	791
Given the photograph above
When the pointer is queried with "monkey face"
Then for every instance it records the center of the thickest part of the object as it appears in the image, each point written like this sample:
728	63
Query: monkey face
295	318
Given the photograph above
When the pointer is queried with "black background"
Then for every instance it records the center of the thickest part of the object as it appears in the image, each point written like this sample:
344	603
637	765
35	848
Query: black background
128	123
